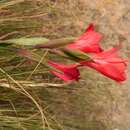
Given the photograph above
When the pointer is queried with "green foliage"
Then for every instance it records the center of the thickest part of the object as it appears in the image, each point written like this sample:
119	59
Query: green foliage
25	41
77	55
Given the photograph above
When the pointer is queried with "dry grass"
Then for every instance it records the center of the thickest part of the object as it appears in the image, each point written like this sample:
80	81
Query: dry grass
31	98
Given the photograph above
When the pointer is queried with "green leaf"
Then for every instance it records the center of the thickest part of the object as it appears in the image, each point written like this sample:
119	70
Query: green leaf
56	43
76	55
25	41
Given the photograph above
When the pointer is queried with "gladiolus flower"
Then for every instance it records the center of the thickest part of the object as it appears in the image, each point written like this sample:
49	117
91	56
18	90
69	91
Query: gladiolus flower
109	64
67	72
88	42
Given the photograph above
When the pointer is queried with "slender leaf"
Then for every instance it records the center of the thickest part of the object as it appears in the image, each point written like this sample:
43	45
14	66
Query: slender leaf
25	41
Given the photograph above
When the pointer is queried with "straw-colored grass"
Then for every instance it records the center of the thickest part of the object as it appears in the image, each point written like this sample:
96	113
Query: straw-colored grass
33	99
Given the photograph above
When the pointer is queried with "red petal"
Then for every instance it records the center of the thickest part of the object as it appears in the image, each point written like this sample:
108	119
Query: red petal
90	27
68	72
62	67
64	77
110	56
113	71
88	42
109	63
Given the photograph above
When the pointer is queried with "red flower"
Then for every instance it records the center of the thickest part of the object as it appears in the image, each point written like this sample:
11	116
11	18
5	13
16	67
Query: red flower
88	42
109	64
67	72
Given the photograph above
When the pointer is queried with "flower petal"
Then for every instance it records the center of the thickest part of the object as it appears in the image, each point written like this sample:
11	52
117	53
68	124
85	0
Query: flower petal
88	42
68	72
90	27
109	63
113	71
64	76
